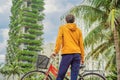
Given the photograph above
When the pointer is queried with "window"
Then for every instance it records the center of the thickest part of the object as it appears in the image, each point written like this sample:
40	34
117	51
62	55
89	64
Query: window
28	3
26	29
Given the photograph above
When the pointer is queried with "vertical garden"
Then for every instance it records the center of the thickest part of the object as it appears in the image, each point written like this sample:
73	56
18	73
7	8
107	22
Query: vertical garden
25	34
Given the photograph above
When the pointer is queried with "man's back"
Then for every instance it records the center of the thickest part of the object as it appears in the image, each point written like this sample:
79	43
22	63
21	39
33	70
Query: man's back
71	38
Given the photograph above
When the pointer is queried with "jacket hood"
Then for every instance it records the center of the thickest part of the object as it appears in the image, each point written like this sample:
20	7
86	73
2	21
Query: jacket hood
71	26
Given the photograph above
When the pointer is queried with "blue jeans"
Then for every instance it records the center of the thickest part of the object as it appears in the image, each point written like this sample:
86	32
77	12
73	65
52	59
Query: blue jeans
67	60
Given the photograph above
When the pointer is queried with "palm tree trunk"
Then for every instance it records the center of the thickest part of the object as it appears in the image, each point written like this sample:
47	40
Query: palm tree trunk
117	48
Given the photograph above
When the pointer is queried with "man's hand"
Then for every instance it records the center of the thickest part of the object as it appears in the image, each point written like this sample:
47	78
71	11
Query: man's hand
82	62
53	54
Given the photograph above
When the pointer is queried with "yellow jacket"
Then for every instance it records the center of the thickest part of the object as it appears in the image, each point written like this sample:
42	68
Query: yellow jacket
70	40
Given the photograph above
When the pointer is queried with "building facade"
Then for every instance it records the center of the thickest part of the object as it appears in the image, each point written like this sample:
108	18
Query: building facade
25	35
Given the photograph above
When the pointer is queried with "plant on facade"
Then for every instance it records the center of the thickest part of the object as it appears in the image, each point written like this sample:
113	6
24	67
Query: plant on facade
25	34
106	34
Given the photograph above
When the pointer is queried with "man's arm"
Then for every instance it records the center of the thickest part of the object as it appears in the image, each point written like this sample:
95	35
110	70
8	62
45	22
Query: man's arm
58	41
81	46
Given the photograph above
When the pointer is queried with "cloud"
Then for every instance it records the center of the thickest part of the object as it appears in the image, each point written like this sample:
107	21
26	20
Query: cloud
55	6
48	26
1	11
2	57
5	7
3	44
50	6
5	33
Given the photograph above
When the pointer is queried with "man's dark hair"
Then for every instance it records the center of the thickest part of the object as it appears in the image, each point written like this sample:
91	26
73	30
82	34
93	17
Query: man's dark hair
70	18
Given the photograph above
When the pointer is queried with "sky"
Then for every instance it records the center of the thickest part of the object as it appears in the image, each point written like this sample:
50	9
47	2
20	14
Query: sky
54	9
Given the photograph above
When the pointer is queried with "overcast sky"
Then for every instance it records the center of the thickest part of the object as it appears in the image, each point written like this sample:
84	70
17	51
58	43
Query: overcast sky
54	9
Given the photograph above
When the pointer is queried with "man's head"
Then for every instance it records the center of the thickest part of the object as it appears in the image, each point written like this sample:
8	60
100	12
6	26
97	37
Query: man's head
70	18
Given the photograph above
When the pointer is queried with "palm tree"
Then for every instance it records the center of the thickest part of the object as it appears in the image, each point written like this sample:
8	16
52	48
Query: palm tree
106	14
104	48
12	69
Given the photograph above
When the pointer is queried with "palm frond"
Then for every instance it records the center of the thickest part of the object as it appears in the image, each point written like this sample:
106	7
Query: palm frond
109	51
88	13
111	63
99	50
113	4
95	36
113	18
101	3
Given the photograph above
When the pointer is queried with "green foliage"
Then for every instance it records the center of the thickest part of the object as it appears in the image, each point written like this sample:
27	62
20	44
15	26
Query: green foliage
27	58
34	48
40	18
35	11
28	19
32	25
27	53
11	69
26	65
112	75
90	39
28	36
30	42
37	6
16	8
37	32
29	14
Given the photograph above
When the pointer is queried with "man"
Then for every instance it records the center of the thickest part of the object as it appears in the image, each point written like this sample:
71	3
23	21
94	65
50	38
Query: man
70	40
